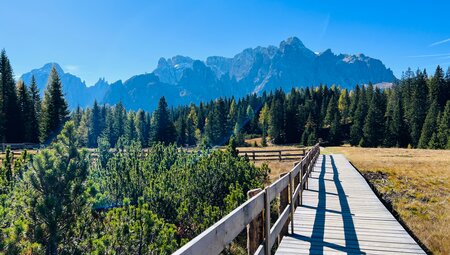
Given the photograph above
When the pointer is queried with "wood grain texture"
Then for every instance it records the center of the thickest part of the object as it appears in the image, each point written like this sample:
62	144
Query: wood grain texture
340	214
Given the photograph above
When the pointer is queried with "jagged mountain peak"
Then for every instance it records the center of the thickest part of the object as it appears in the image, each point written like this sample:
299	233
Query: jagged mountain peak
292	41
182	79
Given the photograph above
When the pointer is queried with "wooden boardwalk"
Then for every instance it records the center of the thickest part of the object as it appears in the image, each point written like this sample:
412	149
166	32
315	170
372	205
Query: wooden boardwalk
340	214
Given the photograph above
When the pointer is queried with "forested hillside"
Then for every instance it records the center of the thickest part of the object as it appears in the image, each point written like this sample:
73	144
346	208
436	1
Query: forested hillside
414	113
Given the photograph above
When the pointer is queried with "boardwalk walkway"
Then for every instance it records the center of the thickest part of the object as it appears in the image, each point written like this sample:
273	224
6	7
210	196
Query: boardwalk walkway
341	215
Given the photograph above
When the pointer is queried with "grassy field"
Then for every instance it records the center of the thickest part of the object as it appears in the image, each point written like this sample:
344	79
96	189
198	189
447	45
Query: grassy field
417	185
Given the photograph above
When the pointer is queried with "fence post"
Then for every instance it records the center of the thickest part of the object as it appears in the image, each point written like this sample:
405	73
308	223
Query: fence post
253	155
255	230
284	200
266	222
279	155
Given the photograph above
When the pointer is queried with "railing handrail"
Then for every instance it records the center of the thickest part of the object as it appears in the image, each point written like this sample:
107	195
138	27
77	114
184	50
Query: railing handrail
214	239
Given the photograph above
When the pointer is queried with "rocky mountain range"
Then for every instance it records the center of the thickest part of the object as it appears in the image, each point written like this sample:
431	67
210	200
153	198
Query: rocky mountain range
183	80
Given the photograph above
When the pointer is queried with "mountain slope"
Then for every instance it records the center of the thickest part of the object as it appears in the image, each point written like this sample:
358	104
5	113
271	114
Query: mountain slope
76	92
183	80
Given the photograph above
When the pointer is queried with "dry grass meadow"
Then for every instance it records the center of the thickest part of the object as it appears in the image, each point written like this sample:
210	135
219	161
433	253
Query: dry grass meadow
415	182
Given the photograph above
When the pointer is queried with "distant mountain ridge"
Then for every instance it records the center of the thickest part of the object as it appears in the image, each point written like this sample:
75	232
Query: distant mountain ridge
75	90
183	80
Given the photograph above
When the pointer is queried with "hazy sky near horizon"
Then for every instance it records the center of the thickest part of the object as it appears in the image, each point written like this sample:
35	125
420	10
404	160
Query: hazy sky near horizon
117	39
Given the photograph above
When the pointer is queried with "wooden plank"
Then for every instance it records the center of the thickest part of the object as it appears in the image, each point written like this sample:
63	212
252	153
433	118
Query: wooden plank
276	187
340	214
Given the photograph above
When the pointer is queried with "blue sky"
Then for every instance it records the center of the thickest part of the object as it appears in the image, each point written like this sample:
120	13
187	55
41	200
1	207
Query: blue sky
118	39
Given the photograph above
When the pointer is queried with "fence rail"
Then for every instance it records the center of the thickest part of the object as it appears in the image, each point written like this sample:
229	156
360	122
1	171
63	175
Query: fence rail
287	154
20	146
254	214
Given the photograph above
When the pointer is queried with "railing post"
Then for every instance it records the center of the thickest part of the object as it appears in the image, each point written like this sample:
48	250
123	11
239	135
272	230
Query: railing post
255	230
266	222
296	183
284	201
291	201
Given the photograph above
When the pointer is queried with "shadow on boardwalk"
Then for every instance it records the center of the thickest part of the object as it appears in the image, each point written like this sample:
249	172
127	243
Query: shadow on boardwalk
317	238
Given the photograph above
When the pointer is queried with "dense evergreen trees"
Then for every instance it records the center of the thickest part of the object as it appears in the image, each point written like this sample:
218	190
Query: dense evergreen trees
57	180
365	116
127	202
10	122
23	118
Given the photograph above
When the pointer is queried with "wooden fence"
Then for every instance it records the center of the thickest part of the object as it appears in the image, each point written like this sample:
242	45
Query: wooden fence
20	146
286	154
254	214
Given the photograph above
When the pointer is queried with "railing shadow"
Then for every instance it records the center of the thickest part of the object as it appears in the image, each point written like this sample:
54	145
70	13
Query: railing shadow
351	238
317	241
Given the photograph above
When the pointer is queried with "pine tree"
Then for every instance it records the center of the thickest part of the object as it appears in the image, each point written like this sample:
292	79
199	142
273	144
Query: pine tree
216	132
332	109
354	100
191	137
162	125
83	128
118	123
309	136
9	108
356	132
277	130
417	109
264	122
24	113
181	128
94	125
35	112
437	91
429	126
334	136
130	128
54	108
443	133
374	121
395	127
58	197
142	128
434	140
344	106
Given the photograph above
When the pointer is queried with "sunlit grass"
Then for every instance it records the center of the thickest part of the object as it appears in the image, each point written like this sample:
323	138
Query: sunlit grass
416	183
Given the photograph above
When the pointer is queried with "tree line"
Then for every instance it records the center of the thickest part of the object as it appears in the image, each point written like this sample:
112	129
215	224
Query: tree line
24	117
413	113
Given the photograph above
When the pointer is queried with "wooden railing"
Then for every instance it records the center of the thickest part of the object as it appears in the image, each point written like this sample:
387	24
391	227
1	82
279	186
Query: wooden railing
254	214
287	154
